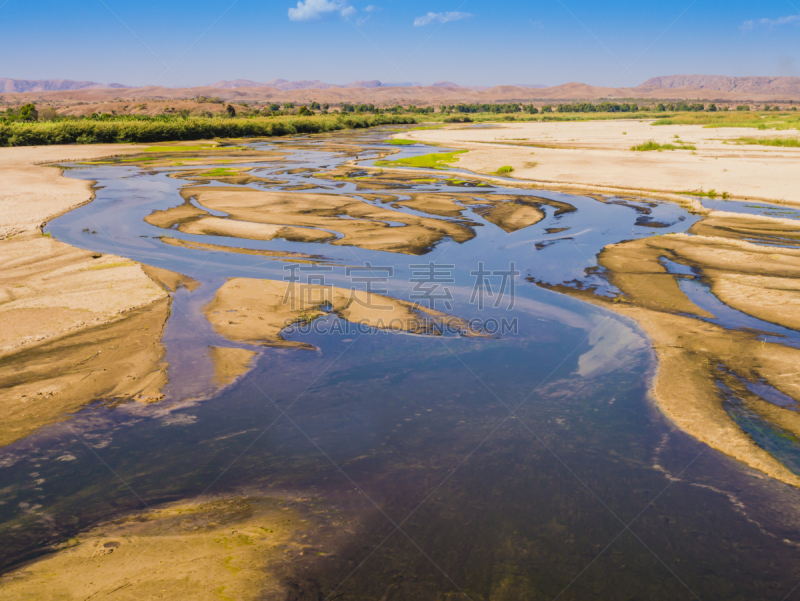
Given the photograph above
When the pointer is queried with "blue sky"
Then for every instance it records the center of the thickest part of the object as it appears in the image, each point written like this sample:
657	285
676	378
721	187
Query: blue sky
618	43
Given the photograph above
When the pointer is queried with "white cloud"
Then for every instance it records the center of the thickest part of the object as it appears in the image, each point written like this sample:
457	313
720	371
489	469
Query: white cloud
369	9
313	10
440	17
753	23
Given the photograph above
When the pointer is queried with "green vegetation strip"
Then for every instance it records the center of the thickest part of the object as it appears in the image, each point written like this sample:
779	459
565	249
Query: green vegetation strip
88	131
758	120
787	142
710	194
505	169
425	161
178	148
653	145
220	171
399	142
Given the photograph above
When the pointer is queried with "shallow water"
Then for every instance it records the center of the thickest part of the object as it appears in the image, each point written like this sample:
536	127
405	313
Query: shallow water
751	208
526	465
701	295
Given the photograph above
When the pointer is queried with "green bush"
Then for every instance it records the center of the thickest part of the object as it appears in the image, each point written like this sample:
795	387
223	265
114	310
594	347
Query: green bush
505	169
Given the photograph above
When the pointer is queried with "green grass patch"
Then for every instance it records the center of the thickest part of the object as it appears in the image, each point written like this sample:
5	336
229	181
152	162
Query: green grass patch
504	169
220	171
653	145
424	161
785	142
400	142
178	148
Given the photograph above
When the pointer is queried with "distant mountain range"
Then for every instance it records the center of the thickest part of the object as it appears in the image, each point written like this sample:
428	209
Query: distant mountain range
779	86
284	85
50	85
710	87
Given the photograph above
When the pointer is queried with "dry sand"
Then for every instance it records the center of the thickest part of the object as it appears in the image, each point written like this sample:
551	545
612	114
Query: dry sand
597	154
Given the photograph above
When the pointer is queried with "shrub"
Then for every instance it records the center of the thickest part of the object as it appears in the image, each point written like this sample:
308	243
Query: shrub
649	145
505	169
28	112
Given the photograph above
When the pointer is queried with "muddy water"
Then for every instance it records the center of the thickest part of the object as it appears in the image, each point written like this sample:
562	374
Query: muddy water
526	465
